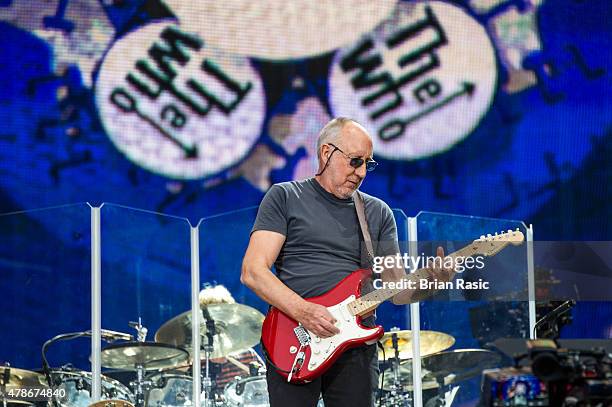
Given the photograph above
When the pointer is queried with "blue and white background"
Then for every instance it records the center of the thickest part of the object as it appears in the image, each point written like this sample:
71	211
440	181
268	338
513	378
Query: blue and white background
493	108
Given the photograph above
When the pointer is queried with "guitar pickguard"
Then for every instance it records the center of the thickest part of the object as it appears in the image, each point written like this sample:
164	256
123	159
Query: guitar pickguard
322	348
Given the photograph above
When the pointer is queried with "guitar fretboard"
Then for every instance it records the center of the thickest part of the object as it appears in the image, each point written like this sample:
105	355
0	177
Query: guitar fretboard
372	300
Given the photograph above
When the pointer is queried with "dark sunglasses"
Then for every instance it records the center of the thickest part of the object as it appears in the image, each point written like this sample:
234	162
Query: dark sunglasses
357	162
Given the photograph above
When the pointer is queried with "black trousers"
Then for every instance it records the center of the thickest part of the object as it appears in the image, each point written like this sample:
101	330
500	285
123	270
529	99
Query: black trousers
351	381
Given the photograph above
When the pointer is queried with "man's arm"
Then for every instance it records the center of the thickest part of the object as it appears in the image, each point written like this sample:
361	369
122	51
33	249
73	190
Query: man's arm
264	247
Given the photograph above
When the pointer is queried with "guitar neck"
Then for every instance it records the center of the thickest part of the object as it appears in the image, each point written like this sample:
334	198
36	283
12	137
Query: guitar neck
369	302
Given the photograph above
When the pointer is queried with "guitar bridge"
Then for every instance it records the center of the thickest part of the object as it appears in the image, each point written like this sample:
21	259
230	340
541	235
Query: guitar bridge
302	335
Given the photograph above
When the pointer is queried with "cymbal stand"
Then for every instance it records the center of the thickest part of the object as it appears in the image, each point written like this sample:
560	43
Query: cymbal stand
139	391
398	396
141	330
140	384
446	393
208	349
4	379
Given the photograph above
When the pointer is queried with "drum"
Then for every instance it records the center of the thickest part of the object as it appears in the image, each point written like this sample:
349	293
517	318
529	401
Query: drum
111	403
77	386
169	389
247	392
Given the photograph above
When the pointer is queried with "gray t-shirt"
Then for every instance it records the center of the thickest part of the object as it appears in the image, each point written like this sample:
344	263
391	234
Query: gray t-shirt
323	242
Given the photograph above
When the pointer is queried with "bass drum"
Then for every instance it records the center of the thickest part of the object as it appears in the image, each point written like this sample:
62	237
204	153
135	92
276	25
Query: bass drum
77	388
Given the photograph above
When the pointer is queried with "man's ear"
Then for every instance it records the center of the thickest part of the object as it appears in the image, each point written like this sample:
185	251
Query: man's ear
325	154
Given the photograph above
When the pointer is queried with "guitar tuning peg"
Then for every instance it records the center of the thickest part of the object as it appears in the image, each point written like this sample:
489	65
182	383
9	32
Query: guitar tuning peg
489	235
495	233
510	230
482	237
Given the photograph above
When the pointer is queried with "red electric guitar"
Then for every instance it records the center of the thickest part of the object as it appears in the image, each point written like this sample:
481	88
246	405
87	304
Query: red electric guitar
302	356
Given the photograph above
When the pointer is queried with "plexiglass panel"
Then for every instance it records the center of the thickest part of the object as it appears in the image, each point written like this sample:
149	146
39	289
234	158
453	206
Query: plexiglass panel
223	242
146	276
395	380
474	316
45	283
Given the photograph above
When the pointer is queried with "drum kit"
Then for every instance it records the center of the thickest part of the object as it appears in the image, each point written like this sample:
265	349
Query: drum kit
160	369
441	370
163	367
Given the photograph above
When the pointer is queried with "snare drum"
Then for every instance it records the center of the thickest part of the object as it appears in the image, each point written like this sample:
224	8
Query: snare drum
76	385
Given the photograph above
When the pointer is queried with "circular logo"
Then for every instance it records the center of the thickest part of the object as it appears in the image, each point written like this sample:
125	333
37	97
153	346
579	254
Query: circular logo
420	82
176	106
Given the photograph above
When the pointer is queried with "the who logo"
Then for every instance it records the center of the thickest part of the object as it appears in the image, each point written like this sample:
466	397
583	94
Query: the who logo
175	105
421	81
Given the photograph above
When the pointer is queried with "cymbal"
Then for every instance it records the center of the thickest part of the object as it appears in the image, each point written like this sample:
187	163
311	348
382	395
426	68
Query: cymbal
447	367
460	364
430	342
237	327
21	378
151	355
13	378
405	378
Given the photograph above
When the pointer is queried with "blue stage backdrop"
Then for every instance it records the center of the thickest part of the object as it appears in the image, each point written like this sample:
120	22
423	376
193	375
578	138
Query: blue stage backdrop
497	108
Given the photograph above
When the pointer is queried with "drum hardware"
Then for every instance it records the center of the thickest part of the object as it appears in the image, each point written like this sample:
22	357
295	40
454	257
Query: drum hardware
396	348
105	334
550	324
140	357
141	334
255	369
397	396
141	331
208	349
224	329
439	371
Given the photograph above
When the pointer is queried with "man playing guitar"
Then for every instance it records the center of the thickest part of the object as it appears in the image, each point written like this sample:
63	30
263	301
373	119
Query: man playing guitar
309	230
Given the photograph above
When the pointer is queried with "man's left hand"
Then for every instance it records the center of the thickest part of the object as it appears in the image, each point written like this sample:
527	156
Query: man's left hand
442	273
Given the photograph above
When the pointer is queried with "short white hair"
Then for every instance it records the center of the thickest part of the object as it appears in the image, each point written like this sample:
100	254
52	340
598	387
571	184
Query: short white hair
217	294
331	132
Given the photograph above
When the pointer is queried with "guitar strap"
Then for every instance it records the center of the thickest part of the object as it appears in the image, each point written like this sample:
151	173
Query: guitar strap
363	225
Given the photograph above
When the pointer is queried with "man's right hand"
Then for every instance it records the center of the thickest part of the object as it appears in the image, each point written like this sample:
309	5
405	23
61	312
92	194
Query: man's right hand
317	319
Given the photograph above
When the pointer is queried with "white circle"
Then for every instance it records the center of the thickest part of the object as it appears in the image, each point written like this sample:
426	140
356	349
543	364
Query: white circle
221	138
280	29
465	79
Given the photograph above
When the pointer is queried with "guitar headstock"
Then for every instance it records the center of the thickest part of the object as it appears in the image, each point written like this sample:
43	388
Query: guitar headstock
491	244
